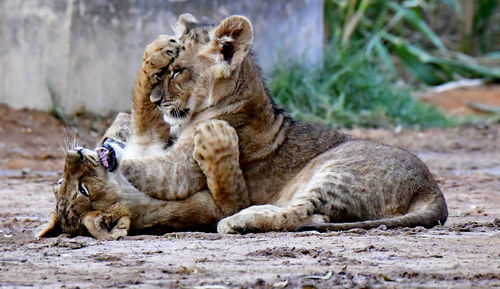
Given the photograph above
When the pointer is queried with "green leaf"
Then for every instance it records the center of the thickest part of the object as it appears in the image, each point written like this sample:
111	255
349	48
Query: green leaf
435	70
384	55
419	23
417	61
455	5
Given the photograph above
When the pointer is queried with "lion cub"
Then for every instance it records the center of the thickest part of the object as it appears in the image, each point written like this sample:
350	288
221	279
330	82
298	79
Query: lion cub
293	173
94	197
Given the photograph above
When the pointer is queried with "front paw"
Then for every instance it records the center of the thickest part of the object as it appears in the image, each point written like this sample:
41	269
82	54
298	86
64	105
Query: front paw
158	55
214	141
238	224
100	226
119	130
117	234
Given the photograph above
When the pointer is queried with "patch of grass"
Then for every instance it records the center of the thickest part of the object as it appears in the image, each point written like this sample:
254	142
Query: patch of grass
350	90
397	34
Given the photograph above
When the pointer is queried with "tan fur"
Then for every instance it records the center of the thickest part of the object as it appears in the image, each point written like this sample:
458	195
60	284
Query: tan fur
216	152
156	58
113	207
294	174
119	131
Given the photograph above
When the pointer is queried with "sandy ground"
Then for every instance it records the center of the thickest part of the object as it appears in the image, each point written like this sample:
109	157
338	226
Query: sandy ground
465	100
463	253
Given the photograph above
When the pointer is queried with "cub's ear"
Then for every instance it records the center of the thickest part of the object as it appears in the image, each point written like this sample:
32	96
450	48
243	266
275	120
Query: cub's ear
185	23
51	229
232	39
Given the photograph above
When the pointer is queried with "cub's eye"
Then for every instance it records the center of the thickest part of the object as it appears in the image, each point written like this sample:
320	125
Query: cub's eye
59	182
177	72
83	190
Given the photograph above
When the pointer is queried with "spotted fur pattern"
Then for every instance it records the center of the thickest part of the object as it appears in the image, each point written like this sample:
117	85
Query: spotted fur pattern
296	174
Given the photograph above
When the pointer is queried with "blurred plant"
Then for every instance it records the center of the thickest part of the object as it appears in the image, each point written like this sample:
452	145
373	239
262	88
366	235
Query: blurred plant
382	27
370	42
349	90
478	16
54	106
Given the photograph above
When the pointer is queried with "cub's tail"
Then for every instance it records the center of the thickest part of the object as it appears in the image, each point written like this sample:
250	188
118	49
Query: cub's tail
428	217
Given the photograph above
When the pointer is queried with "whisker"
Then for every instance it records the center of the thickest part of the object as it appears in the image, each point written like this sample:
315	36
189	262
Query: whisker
73	142
176	109
63	150
65	139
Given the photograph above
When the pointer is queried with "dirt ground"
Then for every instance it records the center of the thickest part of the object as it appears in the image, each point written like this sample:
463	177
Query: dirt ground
466	100
463	253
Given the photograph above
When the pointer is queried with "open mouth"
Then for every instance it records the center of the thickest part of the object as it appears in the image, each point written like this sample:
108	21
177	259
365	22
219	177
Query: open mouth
107	156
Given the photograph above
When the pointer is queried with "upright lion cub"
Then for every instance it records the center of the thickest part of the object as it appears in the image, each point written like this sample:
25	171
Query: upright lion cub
294	174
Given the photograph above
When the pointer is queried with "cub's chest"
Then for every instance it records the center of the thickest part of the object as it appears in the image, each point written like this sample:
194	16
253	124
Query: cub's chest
176	125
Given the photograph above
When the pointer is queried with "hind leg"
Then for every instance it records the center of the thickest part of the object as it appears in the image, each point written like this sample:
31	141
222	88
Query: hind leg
265	218
293	209
316	195
299	203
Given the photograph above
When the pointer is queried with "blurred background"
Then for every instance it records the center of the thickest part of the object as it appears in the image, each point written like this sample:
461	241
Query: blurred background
72	56
383	58
341	62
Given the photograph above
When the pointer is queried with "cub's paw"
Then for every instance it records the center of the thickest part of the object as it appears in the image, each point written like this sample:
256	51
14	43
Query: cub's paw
215	141
117	234
261	218
119	130
238	224
105	226
121	127
266	218
158	55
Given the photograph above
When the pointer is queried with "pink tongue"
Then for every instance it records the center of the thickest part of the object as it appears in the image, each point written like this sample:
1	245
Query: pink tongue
104	157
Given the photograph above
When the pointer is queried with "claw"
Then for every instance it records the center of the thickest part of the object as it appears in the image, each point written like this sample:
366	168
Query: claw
156	78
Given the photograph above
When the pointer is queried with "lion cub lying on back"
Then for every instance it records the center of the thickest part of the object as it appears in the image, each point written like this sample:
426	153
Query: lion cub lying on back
263	171
94	197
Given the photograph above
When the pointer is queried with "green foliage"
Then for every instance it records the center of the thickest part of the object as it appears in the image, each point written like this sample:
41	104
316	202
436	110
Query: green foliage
435	70
385	29
370	43
481	19
349	90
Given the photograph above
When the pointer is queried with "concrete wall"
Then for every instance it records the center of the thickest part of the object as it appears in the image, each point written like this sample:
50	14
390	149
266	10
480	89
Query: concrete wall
84	54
